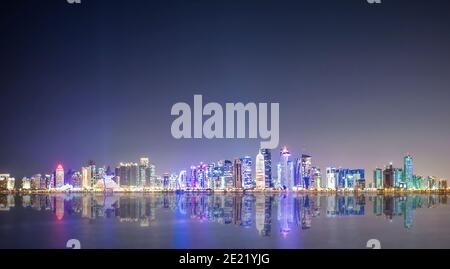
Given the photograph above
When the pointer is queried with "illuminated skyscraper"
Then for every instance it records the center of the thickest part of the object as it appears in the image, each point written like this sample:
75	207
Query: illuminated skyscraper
151	175
228	174
247	172
36	182
378	178
398	178
408	172
332	176
259	171
193	177
86	177
267	167
201	175
143	170
210	175
128	174
237	173
388	177
26	183
316	178
305	171
75	179
286	181
59	176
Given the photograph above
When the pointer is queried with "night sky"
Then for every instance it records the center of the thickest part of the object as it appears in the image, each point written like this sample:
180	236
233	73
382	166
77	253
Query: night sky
359	85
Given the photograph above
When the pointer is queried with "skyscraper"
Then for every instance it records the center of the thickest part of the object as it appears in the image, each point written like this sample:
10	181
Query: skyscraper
316	178
128	174
237	173
388	177
286	181
398	178
267	167
260	171
193	177
59	176
228	174
143	170
247	172
305	171
86	177
408	172
331	178
151	175
378	178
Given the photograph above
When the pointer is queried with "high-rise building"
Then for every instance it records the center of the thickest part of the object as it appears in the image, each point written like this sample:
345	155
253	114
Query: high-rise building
36	182
128	174
305	171
166	180
260	171
210	175
228	174
408	172
247	172
286	181
59	176
378	178
143	170
237	173
316	178
201	175
76	179
151	175
267	167
26	183
193	174
388	177
398	178
86	177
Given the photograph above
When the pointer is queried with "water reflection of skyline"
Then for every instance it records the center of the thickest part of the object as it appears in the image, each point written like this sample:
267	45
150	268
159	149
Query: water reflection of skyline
247	211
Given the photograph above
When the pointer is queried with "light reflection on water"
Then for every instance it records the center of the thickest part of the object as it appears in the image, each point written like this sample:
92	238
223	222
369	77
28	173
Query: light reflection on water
196	220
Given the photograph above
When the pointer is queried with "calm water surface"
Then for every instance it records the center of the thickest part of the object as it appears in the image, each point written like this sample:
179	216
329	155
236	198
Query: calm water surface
224	221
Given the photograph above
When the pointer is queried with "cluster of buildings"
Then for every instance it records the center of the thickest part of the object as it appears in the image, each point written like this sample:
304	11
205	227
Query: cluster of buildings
392	178
245	173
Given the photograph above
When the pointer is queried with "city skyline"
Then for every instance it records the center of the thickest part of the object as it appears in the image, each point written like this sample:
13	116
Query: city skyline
291	172
101	86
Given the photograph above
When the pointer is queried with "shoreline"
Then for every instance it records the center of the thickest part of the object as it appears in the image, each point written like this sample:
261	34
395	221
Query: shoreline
442	191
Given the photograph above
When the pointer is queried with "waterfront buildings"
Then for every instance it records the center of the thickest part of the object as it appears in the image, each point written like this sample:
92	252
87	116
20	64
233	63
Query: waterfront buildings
388	177
247	172
59	176
267	167
127	174
237	173
378	178
286	169
260	171
408	172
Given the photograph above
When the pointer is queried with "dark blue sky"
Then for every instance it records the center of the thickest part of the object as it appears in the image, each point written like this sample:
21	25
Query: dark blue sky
358	85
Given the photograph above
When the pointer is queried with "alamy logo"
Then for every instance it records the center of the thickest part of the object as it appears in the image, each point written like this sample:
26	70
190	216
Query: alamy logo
213	127
74	1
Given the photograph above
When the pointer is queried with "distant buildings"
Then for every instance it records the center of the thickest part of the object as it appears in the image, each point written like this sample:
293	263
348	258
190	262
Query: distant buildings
378	178
247	180
226	175
59	176
128	175
237	173
267	167
408	172
286	176
260	171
